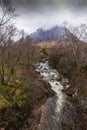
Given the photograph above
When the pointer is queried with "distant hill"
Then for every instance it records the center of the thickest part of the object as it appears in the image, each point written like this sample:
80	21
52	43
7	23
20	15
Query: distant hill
56	33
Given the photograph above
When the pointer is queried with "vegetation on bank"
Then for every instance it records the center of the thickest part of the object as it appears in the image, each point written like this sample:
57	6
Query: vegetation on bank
19	91
15	107
17	101
71	61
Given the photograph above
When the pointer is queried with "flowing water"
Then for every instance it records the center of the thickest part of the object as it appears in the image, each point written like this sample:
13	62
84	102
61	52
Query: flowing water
52	109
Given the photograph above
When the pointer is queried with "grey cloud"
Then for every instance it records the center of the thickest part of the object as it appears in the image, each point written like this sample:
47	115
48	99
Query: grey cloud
40	13
34	3
41	3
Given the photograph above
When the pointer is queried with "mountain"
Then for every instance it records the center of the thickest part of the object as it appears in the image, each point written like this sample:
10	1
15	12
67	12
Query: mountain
56	33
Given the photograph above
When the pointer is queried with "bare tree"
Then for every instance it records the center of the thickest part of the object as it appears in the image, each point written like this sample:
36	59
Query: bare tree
7	30
6	43
7	12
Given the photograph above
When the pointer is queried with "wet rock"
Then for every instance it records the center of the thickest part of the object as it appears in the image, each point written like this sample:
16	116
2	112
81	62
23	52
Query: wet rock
69	91
45	68
48	118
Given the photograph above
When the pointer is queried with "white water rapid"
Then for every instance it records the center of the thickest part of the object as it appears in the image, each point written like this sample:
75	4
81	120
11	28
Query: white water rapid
52	109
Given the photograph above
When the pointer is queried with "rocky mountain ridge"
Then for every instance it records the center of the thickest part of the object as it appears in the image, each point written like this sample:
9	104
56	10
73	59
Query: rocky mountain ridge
56	33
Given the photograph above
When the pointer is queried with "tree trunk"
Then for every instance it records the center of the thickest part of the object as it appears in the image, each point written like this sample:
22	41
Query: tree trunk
2	73
2	80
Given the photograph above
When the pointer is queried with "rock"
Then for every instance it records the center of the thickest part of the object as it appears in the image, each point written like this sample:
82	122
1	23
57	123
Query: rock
69	91
48	118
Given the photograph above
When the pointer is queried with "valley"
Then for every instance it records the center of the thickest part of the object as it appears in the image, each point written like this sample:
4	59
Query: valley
43	65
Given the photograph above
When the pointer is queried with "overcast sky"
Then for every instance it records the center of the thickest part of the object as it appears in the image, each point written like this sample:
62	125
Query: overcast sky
34	14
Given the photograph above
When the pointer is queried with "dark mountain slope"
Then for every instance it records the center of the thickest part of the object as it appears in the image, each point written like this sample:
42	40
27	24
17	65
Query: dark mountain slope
56	33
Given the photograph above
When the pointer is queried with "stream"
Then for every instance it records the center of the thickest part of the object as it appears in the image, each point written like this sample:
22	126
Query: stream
52	109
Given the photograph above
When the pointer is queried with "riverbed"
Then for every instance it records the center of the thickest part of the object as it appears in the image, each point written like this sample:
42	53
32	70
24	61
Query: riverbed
52	109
